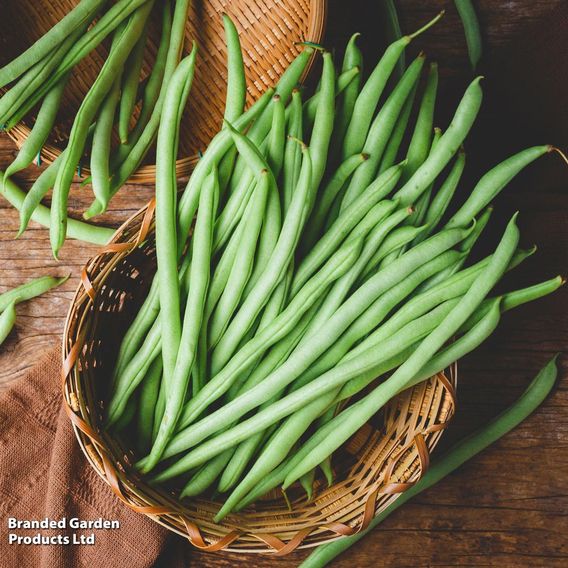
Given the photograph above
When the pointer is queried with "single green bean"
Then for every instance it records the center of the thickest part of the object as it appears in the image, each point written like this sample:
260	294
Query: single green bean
390	155
44	123
100	151
421	137
76	229
353	59
166	237
236	81
292	151
146	405
488	187
30	290
7	320
129	87
471	29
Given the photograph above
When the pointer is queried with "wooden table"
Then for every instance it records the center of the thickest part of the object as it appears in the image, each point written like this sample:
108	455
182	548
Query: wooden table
508	506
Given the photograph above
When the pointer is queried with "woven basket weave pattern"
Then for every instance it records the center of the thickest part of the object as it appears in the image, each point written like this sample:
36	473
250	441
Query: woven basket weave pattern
382	460
268	30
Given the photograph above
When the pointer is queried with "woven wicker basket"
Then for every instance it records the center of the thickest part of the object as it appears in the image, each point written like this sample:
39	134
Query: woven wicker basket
268	29
382	460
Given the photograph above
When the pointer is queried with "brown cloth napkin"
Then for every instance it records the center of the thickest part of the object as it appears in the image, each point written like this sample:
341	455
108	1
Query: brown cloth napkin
43	473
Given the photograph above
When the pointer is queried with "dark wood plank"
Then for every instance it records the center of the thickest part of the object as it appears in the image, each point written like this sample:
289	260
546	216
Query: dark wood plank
508	506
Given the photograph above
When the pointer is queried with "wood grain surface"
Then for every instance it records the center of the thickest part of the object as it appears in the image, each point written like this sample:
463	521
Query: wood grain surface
508	506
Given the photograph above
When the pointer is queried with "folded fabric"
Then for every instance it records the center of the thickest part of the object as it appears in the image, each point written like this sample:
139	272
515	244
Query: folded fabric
44	475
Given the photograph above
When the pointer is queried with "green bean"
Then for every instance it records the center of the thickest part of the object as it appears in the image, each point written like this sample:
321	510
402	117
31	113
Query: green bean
242	266
41	215
393	146
127	416
323	126
307	482
44	123
370	196
206	476
381	130
493	182
480	224
236	81
272	224
308	351
100	151
353	59
368	98
30	290
370	404
7	320
328	195
516	298
292	151
166	238
85	115
458	454
275	270
80	15
421	137
393	31
88	41
146	405
199	282
470	23
327	470
448	145
444	195
129	87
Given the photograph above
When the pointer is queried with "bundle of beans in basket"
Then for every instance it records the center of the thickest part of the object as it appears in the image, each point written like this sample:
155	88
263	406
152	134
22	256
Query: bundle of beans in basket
40	74
314	266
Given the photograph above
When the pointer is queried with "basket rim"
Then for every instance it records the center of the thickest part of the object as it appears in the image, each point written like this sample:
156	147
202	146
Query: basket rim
115	470
146	173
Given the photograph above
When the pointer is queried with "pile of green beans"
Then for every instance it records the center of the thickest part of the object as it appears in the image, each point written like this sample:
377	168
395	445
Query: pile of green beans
40	75
22	293
316	254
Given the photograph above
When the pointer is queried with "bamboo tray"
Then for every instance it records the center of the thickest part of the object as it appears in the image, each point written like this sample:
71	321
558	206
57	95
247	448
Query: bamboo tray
386	457
269	31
